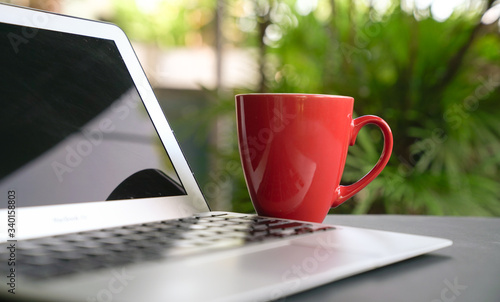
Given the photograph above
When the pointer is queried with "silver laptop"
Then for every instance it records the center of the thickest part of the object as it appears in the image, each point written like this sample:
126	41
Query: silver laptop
100	203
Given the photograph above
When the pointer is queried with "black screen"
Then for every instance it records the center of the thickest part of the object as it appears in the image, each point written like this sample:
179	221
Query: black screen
72	124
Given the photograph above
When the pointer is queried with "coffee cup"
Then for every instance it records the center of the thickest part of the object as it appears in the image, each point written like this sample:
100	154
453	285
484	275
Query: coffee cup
293	149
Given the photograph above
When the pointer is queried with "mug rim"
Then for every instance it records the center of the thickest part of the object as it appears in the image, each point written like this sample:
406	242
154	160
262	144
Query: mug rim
296	94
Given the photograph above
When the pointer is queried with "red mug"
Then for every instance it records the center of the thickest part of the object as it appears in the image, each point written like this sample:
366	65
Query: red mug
293	149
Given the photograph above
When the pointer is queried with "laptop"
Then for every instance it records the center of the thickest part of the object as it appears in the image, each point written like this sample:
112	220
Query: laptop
101	205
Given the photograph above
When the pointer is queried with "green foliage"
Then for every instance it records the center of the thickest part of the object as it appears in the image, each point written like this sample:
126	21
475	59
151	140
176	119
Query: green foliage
437	85
167	23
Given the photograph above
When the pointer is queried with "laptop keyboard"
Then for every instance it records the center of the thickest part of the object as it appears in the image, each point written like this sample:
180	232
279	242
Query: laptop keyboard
66	254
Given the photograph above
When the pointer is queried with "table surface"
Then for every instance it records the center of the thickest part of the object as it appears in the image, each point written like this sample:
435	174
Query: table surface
469	270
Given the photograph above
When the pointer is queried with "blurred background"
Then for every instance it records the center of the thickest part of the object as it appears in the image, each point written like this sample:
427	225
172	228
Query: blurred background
430	68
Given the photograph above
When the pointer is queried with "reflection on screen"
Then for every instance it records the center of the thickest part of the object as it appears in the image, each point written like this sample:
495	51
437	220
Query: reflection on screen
72	125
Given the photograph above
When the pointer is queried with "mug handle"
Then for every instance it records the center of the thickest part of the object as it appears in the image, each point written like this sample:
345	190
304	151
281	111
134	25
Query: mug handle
346	192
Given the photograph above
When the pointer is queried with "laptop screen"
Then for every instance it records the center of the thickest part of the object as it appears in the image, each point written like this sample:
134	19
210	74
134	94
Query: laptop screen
72	124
